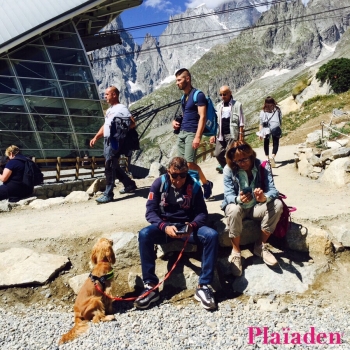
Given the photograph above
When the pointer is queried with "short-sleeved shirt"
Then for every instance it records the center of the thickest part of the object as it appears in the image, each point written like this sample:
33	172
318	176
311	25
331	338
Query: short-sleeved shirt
17	168
118	110
274	118
190	111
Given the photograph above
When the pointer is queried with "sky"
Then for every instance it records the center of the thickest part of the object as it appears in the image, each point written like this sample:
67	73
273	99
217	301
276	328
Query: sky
152	11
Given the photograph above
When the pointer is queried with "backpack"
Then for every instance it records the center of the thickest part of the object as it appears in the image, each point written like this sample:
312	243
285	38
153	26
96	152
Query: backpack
32	175
284	222
118	131
196	184
211	123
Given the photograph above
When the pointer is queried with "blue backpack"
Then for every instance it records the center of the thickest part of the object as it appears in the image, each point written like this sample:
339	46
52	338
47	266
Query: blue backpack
211	124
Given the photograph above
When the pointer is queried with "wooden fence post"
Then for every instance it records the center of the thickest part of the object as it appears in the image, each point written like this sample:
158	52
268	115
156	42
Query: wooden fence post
58	169
77	164
92	166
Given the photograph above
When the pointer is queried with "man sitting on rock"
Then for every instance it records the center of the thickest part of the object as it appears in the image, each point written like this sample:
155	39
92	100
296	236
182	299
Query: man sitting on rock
176	209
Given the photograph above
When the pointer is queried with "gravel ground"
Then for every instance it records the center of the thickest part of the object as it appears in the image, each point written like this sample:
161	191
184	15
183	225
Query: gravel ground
178	327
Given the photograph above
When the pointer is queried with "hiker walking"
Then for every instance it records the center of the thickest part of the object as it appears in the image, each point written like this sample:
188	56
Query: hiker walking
112	168
192	126
176	209
230	125
244	198
270	125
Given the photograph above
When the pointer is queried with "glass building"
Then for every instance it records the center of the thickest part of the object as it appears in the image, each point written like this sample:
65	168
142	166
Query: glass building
49	104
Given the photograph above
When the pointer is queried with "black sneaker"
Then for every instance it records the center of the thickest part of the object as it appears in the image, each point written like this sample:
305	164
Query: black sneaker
204	294
143	302
128	189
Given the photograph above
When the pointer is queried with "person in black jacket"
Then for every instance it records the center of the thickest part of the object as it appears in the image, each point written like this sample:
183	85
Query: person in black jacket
13	187
176	199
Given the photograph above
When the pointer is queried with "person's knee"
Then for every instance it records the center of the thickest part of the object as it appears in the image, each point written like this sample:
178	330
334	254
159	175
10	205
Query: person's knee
145	234
233	210
278	206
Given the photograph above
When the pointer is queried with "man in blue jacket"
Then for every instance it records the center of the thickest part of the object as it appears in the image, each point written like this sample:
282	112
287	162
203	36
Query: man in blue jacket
176	199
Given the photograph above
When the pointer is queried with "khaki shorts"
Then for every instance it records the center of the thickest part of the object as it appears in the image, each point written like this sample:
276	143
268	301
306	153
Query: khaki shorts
184	146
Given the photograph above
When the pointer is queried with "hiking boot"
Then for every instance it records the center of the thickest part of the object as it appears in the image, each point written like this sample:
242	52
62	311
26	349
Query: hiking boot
207	189
236	263
219	169
103	199
265	254
128	189
143	302
272	162
204	294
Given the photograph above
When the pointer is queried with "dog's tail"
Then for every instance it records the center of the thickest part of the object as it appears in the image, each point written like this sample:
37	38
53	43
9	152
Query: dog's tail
80	327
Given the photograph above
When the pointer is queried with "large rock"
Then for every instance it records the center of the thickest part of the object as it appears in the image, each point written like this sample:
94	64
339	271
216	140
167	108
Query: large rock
96	186
156	170
22	266
175	246
336	174
77	197
44	203
341	232
126	249
304	168
77	282
287	277
4	205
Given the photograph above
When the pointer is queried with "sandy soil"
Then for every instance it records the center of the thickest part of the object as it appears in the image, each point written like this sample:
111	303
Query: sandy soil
72	229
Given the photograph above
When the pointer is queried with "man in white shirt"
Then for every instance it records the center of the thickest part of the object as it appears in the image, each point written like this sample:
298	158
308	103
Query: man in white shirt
112	168
230	125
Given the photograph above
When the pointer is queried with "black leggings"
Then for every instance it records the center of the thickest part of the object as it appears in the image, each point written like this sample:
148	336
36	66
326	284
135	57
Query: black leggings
275	143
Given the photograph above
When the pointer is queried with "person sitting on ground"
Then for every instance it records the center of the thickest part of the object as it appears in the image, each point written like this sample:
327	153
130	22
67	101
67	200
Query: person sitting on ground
13	187
245	198
175	198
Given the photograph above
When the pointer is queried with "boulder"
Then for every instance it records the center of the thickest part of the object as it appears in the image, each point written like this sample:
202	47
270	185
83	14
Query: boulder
77	197
5	205
23	266
304	168
156	170
77	282
176	246
341	152
96	186
336	174
41	203
341	232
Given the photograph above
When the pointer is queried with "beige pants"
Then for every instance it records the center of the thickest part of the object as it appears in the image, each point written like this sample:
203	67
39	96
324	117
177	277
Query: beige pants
268	214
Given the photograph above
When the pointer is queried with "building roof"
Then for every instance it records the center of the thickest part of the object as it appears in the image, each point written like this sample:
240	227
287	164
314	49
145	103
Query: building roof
20	20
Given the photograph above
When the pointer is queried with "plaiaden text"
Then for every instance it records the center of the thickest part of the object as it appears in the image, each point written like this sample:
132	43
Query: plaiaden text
288	337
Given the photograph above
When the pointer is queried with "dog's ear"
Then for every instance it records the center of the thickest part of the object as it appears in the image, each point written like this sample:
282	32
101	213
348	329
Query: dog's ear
111	256
94	256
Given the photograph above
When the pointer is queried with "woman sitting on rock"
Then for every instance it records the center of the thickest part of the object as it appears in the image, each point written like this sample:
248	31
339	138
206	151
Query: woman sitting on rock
245	198
13	188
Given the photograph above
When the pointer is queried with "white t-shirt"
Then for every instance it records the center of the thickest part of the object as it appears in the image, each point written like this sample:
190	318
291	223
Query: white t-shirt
118	110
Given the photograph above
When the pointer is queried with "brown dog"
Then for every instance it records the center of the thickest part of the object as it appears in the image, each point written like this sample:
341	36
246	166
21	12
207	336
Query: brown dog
90	303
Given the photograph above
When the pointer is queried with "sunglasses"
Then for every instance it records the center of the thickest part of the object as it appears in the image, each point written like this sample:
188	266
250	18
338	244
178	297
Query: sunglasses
243	160
223	94
233	150
176	175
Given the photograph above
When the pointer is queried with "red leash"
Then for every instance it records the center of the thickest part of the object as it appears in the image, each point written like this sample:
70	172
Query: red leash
149	291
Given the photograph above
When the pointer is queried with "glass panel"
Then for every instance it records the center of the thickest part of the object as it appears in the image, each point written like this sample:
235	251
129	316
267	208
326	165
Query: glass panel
30	53
62	40
73	73
52	123
15	121
86	124
8	86
85	108
67	56
22	139
11	104
84	144
34	70
57	140
79	90
45	105
5	68
40	87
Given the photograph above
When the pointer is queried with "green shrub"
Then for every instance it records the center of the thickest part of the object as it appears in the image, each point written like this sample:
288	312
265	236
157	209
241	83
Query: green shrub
299	88
337	73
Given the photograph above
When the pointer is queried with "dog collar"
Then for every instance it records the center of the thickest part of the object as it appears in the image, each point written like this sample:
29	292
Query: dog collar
102	279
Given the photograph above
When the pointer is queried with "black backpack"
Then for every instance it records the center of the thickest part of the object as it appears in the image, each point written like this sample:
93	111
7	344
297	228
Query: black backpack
32	175
119	129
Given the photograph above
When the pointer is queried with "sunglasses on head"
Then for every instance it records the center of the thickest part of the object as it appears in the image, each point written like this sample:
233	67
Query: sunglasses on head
233	150
176	175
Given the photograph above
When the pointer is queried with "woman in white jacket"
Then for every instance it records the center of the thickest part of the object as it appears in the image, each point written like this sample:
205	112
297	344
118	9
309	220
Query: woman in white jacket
270	125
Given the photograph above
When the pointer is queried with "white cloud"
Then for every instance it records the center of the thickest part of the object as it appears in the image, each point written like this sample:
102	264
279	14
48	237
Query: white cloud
162	5
209	4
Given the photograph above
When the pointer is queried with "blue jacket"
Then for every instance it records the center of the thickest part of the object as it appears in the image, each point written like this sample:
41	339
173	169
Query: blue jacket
231	184
162	214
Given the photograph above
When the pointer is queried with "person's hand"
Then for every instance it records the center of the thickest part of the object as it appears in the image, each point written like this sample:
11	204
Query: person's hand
212	139
176	125
245	197
196	142
171	232
92	142
259	195
260	138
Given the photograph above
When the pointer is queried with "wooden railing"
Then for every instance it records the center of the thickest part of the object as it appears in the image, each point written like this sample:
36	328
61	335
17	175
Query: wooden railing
204	149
